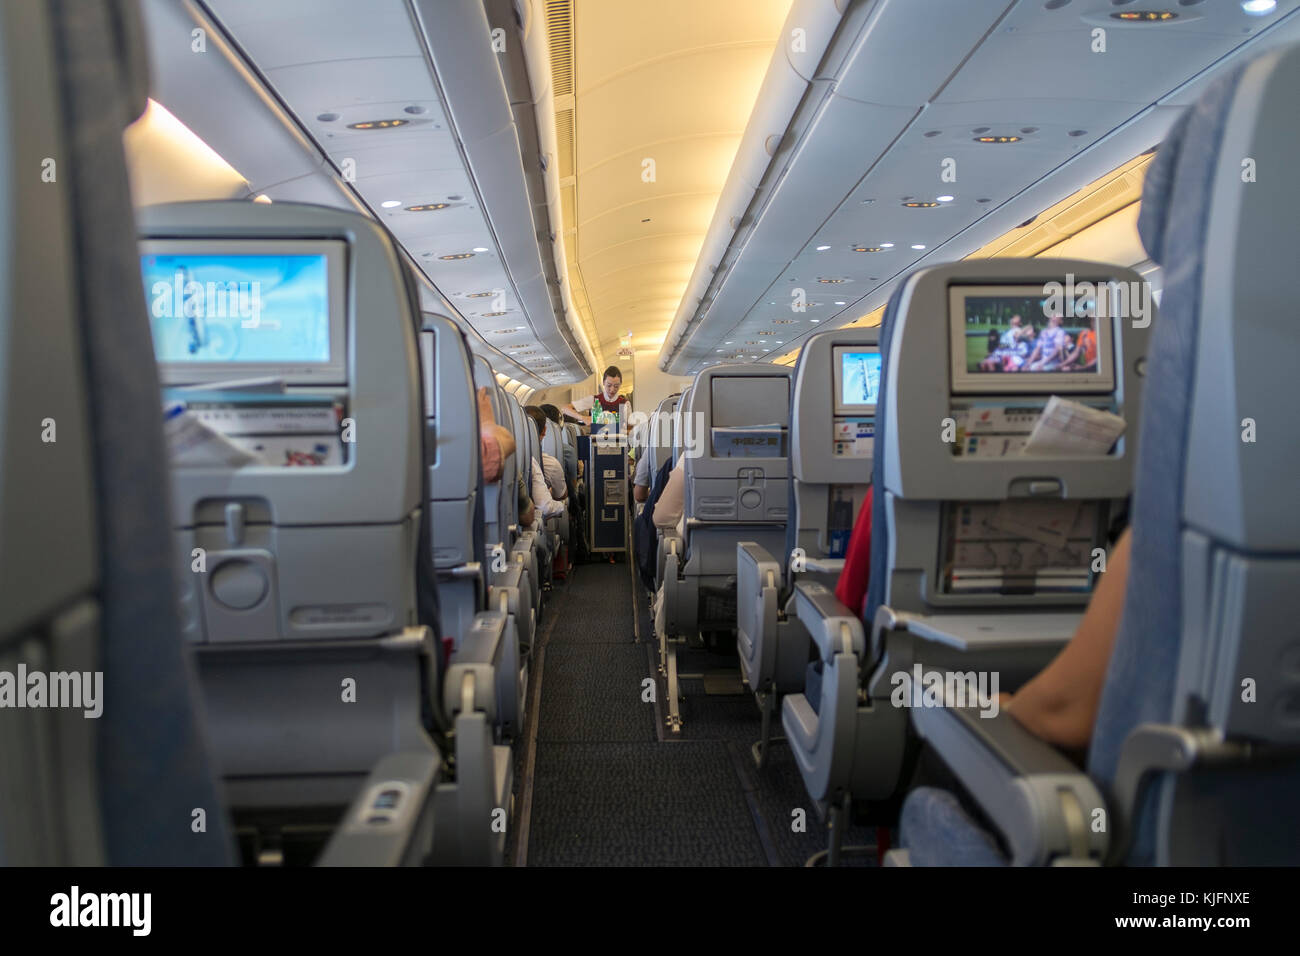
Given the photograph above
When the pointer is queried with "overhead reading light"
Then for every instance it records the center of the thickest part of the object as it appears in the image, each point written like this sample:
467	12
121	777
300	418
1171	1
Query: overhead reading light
379	124
868	248
920	205
831	281
918	246
480	248
1258	8
390	203
783	321
841	303
459	255
479	295
886	245
943	198
1145	16
997	139
822	248
428	207
490	314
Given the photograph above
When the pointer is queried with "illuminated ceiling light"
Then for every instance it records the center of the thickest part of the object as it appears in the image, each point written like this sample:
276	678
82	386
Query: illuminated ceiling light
918	246
480	248
920	205
262	198
428	207
390	203
490	314
822	248
379	124
841	303
886	245
1146	16
478	295
868	248
1259	8
831	281
943	198
459	255
997	139
814	320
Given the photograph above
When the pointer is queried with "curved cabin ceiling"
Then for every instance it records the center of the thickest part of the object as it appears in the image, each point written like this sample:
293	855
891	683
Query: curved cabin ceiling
661	95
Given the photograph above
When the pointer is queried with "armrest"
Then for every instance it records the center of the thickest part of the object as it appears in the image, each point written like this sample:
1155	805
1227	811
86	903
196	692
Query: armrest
388	824
1156	748
477	658
832	626
471	570
824	565
1041	803
762	558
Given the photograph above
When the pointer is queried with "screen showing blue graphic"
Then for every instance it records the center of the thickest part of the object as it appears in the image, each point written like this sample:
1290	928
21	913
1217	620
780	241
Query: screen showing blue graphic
859	378
247	308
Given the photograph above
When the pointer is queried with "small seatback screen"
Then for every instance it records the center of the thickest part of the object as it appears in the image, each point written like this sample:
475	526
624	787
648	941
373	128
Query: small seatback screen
246	308
1020	339
856	374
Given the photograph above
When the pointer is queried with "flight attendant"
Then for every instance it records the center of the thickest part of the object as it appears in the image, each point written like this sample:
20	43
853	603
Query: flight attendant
608	398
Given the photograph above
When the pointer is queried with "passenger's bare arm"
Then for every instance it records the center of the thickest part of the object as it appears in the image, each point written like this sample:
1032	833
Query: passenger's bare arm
1060	704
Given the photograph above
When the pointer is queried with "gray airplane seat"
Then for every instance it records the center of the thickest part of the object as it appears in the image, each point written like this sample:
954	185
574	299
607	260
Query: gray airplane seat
553	445
669	550
527	543
659	448
548	529
987	529
107	761
285	337
509	572
832	421
1195	753
452	451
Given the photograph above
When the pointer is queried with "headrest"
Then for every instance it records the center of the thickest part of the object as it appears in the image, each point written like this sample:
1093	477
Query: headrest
1157	190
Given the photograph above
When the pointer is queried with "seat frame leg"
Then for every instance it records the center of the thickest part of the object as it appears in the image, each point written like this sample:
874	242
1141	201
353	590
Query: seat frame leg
767	705
839	815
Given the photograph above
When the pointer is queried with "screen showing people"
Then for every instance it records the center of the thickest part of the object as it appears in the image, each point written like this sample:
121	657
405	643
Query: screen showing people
859	378
245	308
1024	334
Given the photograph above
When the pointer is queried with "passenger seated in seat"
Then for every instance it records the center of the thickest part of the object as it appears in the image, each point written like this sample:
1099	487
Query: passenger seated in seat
552	470
527	512
670	512
1060	703
496	442
851	589
641	478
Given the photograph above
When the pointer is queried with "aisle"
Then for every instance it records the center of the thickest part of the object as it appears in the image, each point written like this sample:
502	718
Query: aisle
600	785
605	791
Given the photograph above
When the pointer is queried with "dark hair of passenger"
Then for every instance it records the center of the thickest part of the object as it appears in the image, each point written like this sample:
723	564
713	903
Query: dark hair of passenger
538	416
613	372
552	413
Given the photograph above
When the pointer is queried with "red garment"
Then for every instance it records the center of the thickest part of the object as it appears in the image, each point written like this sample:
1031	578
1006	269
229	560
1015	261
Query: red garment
852	586
610	406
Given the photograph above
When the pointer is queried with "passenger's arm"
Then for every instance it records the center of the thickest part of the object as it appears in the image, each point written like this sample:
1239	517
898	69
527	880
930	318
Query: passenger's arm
1060	704
548	506
672	503
489	428
640	493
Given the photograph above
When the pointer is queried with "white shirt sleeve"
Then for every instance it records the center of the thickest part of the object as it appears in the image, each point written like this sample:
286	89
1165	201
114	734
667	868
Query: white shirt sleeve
547	507
554	473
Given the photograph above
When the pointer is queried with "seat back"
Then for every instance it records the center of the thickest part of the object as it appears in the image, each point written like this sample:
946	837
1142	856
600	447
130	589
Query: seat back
962	521
115	770
499	496
1208	637
736	421
455	472
678	431
660	445
832	429
298	577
